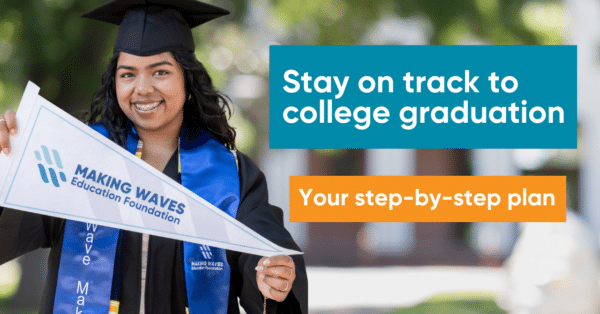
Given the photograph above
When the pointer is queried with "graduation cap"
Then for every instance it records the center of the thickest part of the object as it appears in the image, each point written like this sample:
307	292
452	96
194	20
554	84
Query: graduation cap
149	27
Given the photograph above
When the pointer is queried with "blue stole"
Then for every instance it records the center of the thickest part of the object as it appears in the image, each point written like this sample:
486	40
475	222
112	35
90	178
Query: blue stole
209	170
86	268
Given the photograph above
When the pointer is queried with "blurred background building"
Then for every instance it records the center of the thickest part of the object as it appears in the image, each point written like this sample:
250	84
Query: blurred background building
46	42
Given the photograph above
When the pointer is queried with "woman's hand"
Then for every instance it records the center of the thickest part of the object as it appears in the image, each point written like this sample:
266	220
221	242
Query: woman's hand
8	126
275	276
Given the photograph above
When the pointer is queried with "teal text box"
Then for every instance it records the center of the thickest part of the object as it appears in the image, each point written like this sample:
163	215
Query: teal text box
305	115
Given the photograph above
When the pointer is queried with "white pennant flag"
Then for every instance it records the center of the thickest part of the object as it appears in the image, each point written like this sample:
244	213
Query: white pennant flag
61	167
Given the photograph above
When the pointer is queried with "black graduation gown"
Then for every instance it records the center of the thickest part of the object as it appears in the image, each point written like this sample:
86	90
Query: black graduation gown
21	232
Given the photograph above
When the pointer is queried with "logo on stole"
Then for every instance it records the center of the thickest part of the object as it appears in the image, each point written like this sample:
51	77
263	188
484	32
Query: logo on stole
208	264
206	251
53	174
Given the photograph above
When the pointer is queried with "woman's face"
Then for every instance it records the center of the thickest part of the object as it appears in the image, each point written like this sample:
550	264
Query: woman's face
151	91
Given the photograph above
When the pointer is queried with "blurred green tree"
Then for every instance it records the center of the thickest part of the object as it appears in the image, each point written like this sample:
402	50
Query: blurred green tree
500	22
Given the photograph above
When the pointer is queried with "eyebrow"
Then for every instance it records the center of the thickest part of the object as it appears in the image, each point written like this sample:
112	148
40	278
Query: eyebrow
153	65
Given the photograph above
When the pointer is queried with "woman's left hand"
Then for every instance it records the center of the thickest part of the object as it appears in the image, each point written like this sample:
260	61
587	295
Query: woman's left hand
275	276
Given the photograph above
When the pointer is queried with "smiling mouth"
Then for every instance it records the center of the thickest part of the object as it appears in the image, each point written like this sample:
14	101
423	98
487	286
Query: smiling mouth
147	107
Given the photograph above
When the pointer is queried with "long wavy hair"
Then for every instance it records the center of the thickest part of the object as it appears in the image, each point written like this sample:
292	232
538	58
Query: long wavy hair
205	108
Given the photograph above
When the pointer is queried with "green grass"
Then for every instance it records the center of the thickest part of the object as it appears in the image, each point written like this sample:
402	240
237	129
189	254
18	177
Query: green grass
456	303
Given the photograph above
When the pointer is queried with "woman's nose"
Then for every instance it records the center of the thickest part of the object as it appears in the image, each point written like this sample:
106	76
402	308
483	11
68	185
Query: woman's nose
144	85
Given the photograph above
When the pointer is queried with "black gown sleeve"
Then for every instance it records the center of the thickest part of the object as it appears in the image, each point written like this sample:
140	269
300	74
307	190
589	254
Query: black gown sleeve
22	232
256	213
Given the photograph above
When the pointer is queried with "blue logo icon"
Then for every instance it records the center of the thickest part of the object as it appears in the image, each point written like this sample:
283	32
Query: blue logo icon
48	159
205	249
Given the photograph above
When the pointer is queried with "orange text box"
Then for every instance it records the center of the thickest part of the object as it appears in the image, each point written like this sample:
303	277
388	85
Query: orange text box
428	199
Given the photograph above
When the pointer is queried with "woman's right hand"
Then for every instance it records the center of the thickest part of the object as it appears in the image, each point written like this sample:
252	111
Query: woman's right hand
8	126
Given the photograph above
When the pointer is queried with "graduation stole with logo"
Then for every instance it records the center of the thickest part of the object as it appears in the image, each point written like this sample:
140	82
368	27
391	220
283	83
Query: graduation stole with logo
87	262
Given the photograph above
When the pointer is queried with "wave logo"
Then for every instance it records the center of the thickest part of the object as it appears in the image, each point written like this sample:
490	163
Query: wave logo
49	163
206	252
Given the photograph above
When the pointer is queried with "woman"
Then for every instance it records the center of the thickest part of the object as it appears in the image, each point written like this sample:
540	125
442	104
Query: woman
155	94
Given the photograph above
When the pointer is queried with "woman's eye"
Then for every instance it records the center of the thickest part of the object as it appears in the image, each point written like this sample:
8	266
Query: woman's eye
126	75
161	72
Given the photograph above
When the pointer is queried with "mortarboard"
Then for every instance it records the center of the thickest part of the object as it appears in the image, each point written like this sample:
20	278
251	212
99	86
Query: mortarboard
149	27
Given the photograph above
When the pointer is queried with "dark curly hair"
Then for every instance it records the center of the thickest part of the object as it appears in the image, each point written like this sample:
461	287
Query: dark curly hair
205	108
